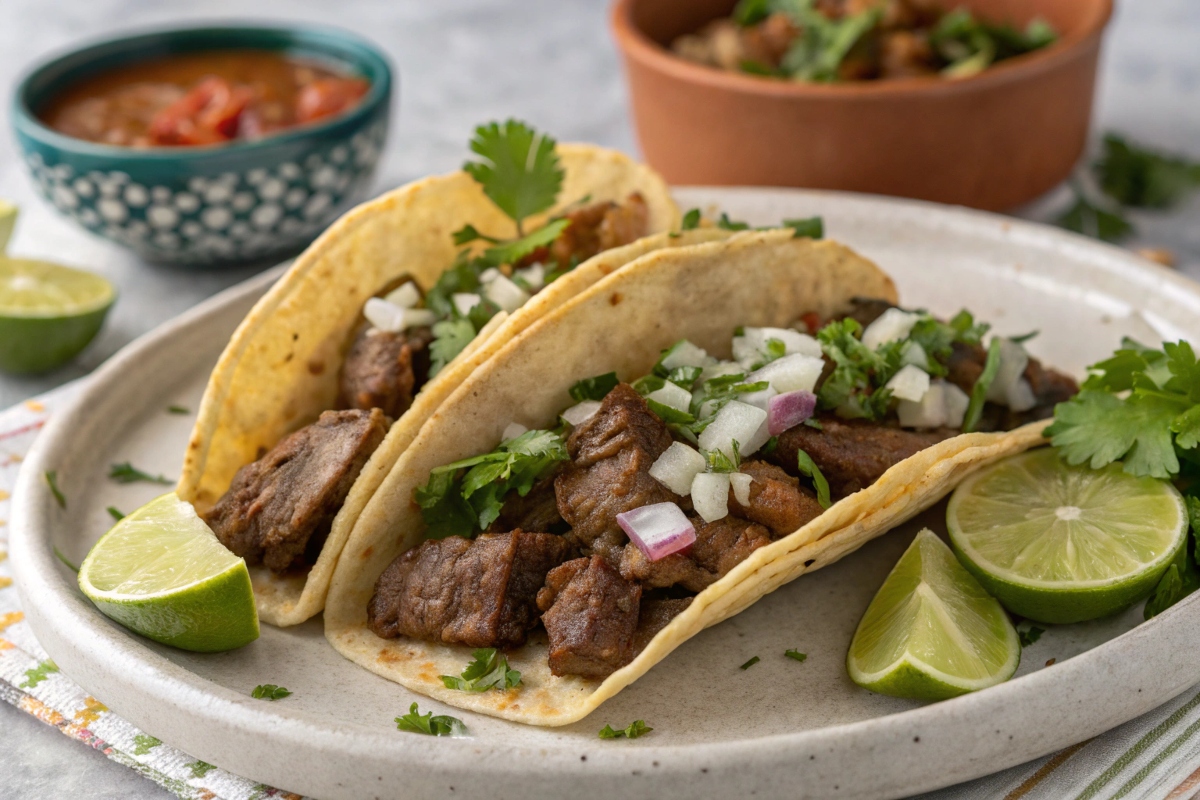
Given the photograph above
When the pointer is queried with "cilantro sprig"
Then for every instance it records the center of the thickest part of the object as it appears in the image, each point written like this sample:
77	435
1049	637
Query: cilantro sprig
429	724
518	169
52	481
465	497
127	473
1141	407
489	670
632	731
269	691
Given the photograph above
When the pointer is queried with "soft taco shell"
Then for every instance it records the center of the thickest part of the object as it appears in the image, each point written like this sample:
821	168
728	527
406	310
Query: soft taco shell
621	324
280	369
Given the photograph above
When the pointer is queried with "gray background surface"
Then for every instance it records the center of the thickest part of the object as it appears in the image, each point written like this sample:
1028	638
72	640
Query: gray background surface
461	62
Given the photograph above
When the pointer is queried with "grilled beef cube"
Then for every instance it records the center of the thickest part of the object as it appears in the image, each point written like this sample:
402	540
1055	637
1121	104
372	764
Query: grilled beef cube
279	509
720	546
593	229
656	613
481	592
591	616
536	511
776	500
852	454
609	473
384	370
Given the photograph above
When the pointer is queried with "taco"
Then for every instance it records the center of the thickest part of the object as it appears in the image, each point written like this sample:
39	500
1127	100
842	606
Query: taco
328	378
588	500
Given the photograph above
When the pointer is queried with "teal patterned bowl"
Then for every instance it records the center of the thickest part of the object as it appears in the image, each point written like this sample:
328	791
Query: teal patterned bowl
210	206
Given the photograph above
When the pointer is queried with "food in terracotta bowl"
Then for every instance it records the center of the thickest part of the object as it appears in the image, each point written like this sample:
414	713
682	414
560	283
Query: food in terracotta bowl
984	103
207	146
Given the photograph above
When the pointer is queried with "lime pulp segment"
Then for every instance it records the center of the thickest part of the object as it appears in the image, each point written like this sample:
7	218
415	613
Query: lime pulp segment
932	632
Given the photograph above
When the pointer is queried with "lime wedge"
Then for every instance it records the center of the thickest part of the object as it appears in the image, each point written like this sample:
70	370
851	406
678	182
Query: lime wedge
1057	543
932	632
48	313
161	572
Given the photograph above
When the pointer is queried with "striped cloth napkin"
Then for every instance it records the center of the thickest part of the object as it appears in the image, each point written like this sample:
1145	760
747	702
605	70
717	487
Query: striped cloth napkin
1154	757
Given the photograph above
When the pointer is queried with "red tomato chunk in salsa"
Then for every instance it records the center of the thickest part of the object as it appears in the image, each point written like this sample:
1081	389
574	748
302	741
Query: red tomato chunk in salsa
204	98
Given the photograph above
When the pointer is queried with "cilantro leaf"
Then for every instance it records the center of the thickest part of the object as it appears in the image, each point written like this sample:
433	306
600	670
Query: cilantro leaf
489	670
751	12
469	233
52	481
809	467
691	220
1091	220
1098	428
750	663
514	251
727	224
519	169
1029	636
719	462
795	655
127	473
428	724
983	383
817	53
269	691
1142	178
812	227
115	513
635	729
594	388
450	337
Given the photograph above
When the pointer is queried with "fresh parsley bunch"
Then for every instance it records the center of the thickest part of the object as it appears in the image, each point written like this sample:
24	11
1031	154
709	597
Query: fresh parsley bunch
1141	406
465	497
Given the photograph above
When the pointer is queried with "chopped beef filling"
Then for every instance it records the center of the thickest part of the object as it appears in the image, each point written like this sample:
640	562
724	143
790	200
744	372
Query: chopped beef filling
853	453
279	509
481	592
609	472
720	546
656	614
776	499
595	228
591	616
384	370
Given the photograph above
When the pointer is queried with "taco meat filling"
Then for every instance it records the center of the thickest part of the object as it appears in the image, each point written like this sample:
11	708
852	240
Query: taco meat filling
655	490
280	508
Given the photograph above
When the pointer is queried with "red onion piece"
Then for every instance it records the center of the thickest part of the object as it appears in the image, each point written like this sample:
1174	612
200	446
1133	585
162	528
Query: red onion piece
788	410
658	530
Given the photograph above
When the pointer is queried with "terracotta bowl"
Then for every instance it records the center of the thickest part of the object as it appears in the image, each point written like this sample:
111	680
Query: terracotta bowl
991	141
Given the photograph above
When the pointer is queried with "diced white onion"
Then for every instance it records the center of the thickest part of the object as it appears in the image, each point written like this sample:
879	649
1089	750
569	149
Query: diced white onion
405	296
740	483
677	467
915	354
512	431
465	301
760	399
581	412
710	495
786	411
891	326
944	405
751	346
506	294
685	354
910	383
672	396
384	315
1006	389
658	530
794	373
738	422
534	275
490	274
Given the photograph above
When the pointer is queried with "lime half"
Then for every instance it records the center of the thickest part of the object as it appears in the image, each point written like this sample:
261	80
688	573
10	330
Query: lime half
1057	543
161	572
48	313
932	632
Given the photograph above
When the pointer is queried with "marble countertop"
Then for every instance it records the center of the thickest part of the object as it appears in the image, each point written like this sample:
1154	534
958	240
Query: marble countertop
460	62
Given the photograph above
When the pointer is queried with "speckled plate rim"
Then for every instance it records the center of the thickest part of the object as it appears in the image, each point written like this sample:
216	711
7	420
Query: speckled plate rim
889	756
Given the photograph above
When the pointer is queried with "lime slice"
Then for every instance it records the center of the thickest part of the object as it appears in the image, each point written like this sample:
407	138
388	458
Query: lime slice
1057	543
932	632
48	313
161	572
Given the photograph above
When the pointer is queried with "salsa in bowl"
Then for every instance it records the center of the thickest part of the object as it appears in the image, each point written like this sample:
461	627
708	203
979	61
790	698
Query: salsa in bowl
207	146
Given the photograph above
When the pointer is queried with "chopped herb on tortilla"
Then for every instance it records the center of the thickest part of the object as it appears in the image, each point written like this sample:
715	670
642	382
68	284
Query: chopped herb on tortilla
983	384
691	220
809	467
451	337
269	691
52	482
750	663
428	724
635	729
489	670
127	473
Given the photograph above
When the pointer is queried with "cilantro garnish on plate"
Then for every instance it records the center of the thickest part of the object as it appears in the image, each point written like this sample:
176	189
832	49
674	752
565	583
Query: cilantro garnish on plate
127	473
754	660
269	691
52	482
1029	635
115	513
430	725
489	670
635	729
795	655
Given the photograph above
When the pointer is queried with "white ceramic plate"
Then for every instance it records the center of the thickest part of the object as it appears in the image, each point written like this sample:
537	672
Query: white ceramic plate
781	728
